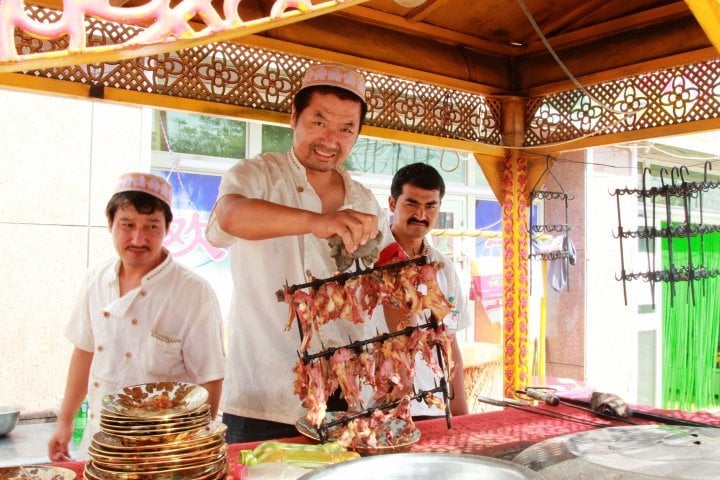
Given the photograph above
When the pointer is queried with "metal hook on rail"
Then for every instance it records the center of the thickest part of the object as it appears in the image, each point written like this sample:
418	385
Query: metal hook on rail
662	178
673	171
682	177
708	166
687	225
647	171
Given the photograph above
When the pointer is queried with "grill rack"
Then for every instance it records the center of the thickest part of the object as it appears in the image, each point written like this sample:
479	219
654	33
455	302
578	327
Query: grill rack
357	346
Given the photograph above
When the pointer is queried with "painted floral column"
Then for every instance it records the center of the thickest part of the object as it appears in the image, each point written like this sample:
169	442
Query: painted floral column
515	274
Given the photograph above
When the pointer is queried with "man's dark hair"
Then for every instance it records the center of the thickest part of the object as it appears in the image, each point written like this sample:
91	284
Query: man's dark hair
143	202
302	99
420	175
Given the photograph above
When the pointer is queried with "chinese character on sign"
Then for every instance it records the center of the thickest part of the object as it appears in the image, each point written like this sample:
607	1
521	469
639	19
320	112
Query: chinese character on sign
184	237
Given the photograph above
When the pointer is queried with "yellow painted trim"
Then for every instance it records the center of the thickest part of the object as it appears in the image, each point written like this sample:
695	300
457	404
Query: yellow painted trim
167	102
707	13
49	86
75	89
630	136
489	157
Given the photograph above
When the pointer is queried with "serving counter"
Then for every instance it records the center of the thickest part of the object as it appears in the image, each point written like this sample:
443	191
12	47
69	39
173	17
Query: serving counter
499	434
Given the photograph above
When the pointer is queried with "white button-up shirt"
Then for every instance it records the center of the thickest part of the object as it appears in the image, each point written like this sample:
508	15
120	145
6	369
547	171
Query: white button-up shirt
259	381
167	329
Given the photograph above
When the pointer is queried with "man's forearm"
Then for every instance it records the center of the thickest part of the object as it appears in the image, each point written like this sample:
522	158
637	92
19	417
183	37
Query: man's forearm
255	219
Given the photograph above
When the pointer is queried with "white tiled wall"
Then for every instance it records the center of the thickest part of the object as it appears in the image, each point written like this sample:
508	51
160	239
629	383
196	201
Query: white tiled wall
58	164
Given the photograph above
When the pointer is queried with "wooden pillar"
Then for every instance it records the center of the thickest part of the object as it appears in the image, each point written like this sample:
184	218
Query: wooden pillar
515	249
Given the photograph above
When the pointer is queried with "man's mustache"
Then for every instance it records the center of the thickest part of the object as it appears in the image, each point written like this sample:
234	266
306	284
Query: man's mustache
415	220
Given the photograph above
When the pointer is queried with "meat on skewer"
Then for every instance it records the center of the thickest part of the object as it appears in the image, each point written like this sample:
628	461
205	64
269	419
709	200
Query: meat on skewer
386	366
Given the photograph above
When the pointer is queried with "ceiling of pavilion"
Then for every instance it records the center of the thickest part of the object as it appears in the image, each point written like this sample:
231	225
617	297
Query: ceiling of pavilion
651	58
492	45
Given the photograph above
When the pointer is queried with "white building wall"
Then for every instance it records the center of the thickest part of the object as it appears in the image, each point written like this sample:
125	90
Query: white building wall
611	326
59	160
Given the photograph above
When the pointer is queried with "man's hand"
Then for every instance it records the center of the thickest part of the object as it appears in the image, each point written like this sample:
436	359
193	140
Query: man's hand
354	228
58	443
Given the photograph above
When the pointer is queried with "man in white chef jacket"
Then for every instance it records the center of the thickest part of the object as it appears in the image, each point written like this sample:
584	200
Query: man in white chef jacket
416	192
275	213
140	317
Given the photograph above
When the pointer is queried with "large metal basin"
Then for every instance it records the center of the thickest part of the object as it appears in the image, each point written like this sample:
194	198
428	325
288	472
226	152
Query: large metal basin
424	466
8	419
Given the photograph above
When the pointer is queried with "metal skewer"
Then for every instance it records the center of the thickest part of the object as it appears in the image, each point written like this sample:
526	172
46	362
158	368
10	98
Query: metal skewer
656	417
526	407
545	395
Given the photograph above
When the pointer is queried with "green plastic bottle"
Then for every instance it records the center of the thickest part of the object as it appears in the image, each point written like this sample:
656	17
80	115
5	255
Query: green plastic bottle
80	422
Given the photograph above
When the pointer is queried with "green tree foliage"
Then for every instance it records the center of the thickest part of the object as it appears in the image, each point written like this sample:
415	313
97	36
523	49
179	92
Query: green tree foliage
200	135
276	138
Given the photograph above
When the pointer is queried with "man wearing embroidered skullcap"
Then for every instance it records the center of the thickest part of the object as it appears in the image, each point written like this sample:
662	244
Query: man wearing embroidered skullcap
140	317
276	212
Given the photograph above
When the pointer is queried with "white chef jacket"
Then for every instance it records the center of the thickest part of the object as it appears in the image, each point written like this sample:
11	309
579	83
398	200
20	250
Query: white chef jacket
459	319
167	329
259	381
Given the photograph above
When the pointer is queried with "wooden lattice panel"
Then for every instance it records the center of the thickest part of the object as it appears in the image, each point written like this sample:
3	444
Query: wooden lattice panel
677	95
262	79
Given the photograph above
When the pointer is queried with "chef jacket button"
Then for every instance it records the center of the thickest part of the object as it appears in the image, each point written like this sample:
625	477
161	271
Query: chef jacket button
300	189
128	355
134	321
97	384
92	415
100	348
106	314
143	293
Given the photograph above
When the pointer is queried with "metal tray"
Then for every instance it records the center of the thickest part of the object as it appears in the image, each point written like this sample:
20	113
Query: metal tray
676	452
424	466
393	432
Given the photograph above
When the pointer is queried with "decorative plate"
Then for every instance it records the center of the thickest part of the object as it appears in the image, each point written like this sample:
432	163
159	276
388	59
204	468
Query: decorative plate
36	473
174	427
107	416
191	472
160	399
107	442
394	430
160	456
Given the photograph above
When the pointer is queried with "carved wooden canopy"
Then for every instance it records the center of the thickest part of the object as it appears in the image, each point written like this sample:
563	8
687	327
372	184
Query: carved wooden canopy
441	72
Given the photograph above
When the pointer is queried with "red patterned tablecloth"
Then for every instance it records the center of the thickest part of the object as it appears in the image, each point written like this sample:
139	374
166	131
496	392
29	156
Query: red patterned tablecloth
494	434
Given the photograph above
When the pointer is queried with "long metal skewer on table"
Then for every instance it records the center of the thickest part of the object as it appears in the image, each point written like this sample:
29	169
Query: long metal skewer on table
544	395
552	399
526	407
655	417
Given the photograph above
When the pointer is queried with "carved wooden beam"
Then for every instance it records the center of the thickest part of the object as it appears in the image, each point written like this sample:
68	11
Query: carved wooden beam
168	28
612	27
399	23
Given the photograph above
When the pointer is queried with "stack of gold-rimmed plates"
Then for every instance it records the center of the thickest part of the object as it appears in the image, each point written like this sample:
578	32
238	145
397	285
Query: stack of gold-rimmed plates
158	431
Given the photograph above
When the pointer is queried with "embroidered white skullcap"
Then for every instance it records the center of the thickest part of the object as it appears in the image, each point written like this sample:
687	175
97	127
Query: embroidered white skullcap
335	75
145	182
